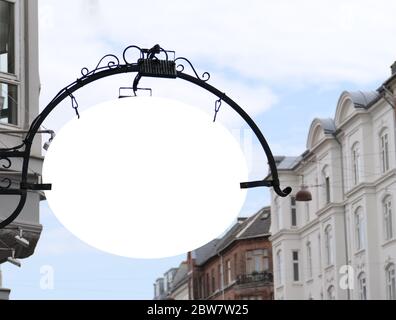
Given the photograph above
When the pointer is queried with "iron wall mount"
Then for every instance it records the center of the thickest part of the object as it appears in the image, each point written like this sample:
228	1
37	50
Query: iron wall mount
155	62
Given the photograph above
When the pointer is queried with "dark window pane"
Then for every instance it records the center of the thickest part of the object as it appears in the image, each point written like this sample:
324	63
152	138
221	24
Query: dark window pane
293	217
295	272
295	255
327	189
7	55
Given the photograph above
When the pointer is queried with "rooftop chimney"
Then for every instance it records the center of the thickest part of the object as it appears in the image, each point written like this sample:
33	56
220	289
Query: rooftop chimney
393	68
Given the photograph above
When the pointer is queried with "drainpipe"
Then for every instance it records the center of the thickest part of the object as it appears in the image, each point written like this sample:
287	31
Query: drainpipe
343	198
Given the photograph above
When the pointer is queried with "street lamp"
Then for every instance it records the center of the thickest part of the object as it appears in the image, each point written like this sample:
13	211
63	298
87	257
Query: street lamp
303	195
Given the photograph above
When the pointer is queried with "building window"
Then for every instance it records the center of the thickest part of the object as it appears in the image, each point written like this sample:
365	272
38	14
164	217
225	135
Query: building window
278	214
213	280
8	79
362	286
329	245
327	189
356	163
359	229
293	211
228	272
235	265
8	103
384	151
326	182
219	277
320	253
390	282
7	37
309	260
279	267
307	212
296	271
257	261
331	293
388	221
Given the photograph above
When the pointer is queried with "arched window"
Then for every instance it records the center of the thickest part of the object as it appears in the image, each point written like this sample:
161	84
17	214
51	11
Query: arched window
279	266
390	277
359	229
384	150
331	293
356	163
388	221
329	245
362	286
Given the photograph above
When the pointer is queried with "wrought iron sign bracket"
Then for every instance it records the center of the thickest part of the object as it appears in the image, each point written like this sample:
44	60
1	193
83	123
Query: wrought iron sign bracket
155	62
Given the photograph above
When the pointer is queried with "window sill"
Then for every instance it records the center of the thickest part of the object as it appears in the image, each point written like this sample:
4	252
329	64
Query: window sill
389	242
10	126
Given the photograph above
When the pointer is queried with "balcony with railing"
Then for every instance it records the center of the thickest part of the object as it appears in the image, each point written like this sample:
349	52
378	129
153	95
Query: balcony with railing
252	278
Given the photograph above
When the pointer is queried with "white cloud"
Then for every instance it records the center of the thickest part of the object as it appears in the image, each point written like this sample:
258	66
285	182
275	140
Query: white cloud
310	41
265	43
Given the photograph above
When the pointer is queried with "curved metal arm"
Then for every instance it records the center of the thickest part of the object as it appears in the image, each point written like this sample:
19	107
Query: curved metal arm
144	67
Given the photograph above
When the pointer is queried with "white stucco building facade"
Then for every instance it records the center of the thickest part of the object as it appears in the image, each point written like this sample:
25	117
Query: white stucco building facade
19	105
350	169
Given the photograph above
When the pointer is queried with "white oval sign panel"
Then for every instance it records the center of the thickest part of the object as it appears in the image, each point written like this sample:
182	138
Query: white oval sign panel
145	177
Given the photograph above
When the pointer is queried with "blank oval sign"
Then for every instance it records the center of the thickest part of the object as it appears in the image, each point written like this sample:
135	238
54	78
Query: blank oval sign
145	177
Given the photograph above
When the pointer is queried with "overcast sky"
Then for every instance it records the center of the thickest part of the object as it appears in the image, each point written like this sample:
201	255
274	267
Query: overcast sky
286	62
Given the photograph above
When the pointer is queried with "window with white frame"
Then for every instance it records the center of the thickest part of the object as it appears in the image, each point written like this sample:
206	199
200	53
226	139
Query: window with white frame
362	286
388	221
293	211
359	229
390	282
329	245
309	260
9	80
279	267
331	293
257	261
296	266
384	151
356	163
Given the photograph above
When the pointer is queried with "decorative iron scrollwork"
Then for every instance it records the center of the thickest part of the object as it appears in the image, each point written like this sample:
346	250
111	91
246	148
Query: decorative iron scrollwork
8	161
180	67
5	183
113	63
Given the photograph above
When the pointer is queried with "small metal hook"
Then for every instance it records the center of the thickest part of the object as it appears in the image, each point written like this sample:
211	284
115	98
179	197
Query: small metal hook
217	109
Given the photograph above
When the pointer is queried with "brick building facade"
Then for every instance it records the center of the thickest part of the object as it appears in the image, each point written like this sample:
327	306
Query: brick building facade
238	266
